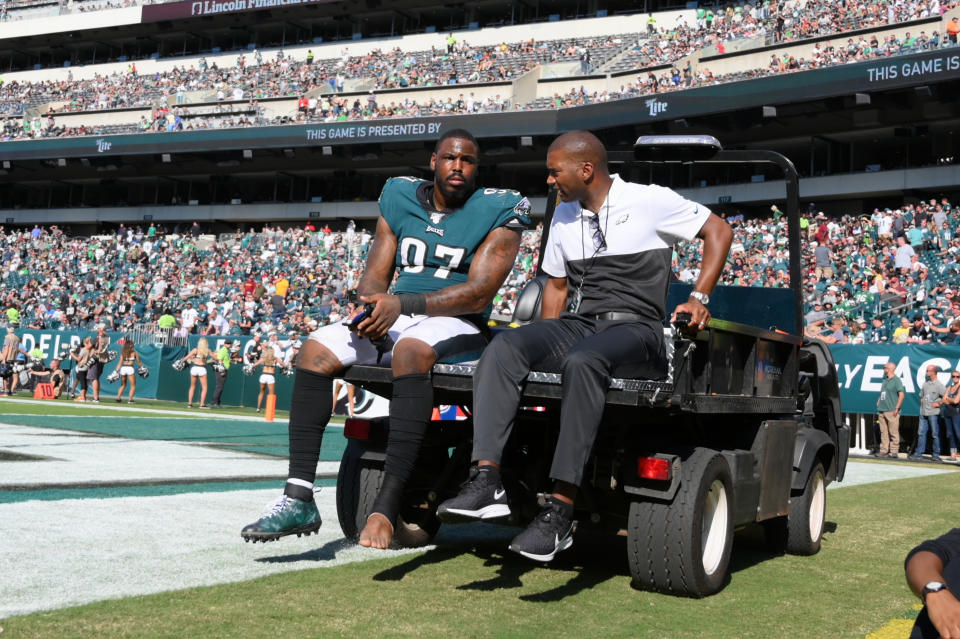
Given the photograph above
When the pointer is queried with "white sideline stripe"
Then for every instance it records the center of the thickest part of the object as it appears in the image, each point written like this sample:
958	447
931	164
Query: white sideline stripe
80	458
89	550
859	473
77	551
65	553
140	408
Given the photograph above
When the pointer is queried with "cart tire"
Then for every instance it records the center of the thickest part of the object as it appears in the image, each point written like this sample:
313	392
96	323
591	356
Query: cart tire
358	484
683	547
807	515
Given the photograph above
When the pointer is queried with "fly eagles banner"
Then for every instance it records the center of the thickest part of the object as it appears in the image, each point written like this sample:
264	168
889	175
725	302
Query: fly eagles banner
860	372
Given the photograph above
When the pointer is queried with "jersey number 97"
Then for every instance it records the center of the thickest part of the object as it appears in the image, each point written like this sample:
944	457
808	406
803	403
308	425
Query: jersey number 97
413	256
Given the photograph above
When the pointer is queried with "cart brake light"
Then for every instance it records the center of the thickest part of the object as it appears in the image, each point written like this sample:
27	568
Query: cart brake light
653	468
356	429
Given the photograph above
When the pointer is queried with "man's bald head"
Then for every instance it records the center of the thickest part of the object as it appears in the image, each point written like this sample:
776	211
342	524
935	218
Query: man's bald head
577	169
582	146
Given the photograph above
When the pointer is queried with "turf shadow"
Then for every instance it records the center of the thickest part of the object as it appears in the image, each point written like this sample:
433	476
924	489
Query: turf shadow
585	579
750	547
326	552
591	566
508	575
436	556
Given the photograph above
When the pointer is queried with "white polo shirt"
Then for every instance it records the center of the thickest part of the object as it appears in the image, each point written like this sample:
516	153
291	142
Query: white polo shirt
640	224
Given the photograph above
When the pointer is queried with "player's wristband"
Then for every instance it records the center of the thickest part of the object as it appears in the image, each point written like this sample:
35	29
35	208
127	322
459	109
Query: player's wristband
413	303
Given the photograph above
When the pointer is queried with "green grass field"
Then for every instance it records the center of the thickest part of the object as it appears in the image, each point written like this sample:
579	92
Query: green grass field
853	588
66	406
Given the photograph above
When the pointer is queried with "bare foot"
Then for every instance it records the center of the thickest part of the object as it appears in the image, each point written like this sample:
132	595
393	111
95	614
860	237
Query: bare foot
378	533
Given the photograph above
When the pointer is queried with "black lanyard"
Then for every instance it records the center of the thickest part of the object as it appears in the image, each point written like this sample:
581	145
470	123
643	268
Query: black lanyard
574	305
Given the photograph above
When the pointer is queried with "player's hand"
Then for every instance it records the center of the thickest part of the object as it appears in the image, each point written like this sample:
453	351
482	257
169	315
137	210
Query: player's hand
384	315
699	315
944	611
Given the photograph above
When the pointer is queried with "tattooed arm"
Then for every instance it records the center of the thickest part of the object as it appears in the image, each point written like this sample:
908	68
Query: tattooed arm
490	267
378	272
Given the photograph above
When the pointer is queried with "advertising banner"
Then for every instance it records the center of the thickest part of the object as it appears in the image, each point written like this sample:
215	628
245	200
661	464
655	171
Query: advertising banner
860	372
166	383
198	8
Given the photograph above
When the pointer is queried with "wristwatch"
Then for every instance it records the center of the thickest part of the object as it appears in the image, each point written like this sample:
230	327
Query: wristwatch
703	298
932	586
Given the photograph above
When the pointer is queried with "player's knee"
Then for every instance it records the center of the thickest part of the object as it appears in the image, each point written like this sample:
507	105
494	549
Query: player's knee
412	356
317	358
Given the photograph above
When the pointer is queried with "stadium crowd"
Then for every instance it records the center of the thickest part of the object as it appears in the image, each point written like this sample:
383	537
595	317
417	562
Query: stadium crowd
824	55
283	76
886	276
287	281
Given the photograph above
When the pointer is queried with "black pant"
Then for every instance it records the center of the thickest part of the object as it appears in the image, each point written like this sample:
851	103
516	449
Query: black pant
588	354
221	379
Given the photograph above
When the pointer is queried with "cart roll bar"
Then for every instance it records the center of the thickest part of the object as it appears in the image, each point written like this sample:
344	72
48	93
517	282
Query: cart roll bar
706	149
675	148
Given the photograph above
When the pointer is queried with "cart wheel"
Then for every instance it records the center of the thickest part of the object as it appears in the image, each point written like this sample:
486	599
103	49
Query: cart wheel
358	484
684	547
808	512
801	531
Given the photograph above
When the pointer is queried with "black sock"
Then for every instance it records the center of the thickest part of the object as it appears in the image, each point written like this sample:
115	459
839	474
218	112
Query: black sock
310	407
565	508
410	410
493	473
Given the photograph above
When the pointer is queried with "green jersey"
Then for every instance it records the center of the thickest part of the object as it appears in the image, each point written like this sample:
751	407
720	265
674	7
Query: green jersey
890	389
435	248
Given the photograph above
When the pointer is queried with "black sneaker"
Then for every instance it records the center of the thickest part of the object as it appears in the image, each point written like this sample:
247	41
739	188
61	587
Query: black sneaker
480	498
548	534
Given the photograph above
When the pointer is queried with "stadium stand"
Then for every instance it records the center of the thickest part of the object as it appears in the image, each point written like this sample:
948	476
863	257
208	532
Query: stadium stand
685	45
615	58
133	276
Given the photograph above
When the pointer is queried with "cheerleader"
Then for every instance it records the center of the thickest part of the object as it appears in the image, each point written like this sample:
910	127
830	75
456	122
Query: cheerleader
198	359
128	373
98	360
82	358
268	382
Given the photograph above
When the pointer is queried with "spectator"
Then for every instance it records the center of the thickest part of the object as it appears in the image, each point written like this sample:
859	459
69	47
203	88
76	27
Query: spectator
931	397
904	255
823	260
951	412
902	334
891	398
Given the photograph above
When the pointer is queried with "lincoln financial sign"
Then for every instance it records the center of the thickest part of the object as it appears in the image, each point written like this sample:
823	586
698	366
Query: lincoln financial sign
174	10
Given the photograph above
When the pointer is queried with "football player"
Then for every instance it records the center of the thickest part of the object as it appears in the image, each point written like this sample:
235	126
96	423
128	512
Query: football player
454	245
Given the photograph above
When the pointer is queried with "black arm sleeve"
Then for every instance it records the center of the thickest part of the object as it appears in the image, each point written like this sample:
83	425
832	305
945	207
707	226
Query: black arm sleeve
946	547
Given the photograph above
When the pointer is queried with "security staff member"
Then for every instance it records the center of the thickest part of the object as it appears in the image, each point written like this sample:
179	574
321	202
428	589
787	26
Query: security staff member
220	377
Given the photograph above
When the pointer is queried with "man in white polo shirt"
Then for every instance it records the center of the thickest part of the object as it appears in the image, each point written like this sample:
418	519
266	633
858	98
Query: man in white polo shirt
604	305
189	317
